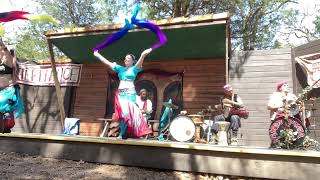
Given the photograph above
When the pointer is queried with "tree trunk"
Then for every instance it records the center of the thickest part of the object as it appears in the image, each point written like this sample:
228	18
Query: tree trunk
177	8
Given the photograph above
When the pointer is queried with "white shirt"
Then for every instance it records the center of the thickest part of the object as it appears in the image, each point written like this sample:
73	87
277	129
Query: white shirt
276	101
140	104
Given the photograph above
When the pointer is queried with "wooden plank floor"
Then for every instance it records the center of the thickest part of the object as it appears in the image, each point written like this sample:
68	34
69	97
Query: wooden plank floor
227	160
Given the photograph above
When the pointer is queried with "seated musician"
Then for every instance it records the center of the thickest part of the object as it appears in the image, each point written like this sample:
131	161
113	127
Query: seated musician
144	104
277	99
230	100
285	106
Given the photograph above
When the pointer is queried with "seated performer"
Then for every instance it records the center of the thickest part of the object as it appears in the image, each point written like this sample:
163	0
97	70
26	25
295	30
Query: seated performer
10	100
145	105
285	106
229	101
277	100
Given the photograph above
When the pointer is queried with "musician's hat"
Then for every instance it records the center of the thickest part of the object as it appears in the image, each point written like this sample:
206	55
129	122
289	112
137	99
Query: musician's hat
227	87
279	85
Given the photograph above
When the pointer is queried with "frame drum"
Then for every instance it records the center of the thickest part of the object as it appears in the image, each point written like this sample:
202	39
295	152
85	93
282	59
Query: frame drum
182	129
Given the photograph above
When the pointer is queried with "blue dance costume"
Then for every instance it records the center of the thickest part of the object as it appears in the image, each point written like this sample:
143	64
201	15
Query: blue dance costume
132	122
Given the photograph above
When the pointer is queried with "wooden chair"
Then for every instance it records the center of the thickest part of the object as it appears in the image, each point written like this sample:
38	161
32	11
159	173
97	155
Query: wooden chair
154	125
110	127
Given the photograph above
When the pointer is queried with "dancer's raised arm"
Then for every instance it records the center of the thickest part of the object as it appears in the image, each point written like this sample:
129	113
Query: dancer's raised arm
5	56
143	55
104	60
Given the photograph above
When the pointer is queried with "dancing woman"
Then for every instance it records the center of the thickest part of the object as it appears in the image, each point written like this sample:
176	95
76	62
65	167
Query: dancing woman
132	122
11	105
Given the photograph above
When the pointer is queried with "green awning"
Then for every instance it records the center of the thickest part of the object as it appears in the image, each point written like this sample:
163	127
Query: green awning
184	42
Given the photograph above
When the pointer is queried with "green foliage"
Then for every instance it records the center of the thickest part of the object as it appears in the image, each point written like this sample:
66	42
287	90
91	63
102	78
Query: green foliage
177	8
294	25
32	45
317	24
112	10
73	12
253	22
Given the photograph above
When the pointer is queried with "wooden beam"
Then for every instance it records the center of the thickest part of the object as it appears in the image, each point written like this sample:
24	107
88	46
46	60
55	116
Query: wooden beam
76	33
164	22
294	73
254	162
57	84
227	50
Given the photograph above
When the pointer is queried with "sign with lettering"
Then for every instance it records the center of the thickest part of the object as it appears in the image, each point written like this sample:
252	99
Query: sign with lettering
41	75
311	65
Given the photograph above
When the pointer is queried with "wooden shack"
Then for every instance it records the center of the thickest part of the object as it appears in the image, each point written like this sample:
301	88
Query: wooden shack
191	67
311	51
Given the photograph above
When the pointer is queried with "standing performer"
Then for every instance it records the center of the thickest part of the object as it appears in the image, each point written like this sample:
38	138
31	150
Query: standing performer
11	105
132	122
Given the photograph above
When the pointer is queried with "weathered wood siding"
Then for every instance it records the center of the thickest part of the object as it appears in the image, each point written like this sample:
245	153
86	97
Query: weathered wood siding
254	75
309	48
90	98
202	82
41	110
300	82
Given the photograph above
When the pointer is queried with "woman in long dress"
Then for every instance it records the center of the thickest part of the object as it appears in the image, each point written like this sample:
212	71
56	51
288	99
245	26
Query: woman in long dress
11	105
132	122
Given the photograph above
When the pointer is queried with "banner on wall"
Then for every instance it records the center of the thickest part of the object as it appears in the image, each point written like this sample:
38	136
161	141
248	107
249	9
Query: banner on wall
311	65
41	75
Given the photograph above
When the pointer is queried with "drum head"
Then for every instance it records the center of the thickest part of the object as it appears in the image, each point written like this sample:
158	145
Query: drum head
182	129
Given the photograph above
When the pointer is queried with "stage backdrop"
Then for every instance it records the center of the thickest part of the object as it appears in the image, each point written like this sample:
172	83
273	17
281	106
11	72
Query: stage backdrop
200	81
254	75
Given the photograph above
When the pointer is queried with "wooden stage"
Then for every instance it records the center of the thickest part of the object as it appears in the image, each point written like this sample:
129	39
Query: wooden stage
206	158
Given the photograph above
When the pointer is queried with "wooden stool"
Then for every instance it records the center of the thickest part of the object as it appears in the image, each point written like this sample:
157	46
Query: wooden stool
198	120
223	127
154	125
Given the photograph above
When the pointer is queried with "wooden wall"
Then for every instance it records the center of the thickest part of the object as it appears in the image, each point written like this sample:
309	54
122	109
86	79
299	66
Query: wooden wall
90	98
202	80
41	110
254	75
202	86
300	81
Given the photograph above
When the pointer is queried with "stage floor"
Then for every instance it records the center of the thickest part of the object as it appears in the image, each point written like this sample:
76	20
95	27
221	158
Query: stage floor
164	144
246	161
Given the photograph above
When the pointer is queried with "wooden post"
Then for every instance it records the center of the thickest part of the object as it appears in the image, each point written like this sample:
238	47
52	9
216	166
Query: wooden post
227	49
294	74
56	83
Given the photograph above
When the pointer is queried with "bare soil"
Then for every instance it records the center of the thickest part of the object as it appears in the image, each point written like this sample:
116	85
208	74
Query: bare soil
19	166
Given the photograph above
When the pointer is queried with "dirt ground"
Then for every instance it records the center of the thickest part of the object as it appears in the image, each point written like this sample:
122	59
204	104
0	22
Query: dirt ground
17	166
